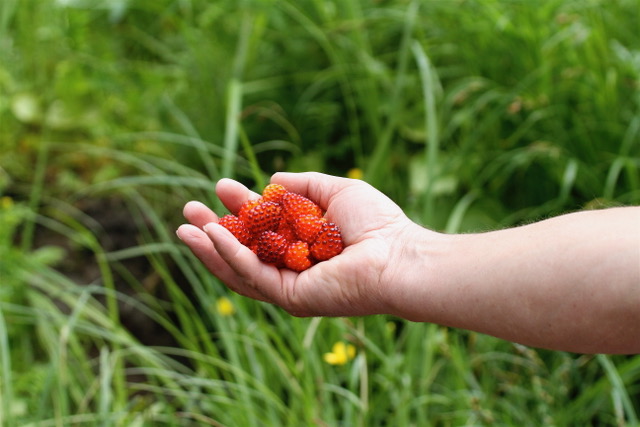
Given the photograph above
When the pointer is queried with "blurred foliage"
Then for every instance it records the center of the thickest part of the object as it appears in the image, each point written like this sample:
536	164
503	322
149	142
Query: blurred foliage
536	106
470	114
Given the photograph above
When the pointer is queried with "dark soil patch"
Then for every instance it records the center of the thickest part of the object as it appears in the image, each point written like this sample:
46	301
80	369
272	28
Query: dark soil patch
110	222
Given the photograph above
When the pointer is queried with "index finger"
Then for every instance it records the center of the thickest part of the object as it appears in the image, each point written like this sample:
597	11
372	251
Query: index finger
233	194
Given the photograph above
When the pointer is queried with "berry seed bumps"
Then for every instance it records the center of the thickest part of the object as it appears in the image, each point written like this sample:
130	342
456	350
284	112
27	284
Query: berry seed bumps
285	229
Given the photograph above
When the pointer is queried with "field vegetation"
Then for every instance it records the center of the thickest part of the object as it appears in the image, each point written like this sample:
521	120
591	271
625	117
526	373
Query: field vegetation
471	114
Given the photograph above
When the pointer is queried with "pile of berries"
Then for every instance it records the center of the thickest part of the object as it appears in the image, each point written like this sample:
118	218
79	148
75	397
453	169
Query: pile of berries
285	229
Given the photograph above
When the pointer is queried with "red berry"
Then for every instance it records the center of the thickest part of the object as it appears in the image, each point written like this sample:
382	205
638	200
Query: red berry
295	206
262	216
285	230
236	227
246	206
273	193
296	257
307	227
271	247
328	243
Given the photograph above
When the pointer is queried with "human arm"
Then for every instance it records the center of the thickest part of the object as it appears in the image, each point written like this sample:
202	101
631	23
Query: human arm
568	283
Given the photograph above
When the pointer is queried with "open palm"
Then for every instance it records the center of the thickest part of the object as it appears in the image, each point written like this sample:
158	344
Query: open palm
346	285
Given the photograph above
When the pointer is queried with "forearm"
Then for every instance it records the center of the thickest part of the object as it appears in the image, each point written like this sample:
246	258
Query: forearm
569	283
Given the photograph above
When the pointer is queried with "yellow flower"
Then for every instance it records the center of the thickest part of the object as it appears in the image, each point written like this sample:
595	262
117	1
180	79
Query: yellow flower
340	354
225	306
355	173
6	202
391	327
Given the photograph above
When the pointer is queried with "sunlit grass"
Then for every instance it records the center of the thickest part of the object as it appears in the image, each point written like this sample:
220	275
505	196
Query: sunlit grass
470	114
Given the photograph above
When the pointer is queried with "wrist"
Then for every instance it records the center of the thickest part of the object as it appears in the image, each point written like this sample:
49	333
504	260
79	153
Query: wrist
413	278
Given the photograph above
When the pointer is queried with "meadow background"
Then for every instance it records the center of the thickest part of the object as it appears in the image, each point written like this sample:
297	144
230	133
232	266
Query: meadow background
470	114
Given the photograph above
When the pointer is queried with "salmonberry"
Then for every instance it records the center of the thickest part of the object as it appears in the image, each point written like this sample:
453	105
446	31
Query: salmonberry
296	205
296	256
271	247
328	243
273	193
263	216
285	229
307	227
247	206
237	228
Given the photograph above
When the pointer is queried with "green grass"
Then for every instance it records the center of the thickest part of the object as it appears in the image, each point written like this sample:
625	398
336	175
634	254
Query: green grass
470	114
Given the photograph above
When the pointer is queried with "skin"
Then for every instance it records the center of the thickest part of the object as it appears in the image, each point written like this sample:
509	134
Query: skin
569	283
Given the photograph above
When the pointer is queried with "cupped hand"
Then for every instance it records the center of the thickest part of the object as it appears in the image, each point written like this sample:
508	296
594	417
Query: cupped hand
355	282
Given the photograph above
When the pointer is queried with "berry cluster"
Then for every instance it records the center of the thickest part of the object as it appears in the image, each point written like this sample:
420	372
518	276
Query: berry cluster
285	229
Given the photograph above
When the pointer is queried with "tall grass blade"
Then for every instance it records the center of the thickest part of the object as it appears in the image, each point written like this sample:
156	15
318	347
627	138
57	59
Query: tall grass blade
7	11
256	172
6	382
429	80
106	397
375	171
191	131
457	215
234	102
36	193
619	392
234	95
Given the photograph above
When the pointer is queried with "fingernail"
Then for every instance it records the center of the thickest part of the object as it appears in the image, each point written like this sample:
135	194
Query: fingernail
178	234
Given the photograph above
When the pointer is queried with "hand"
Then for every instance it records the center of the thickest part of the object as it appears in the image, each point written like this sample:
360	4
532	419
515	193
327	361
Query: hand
356	282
